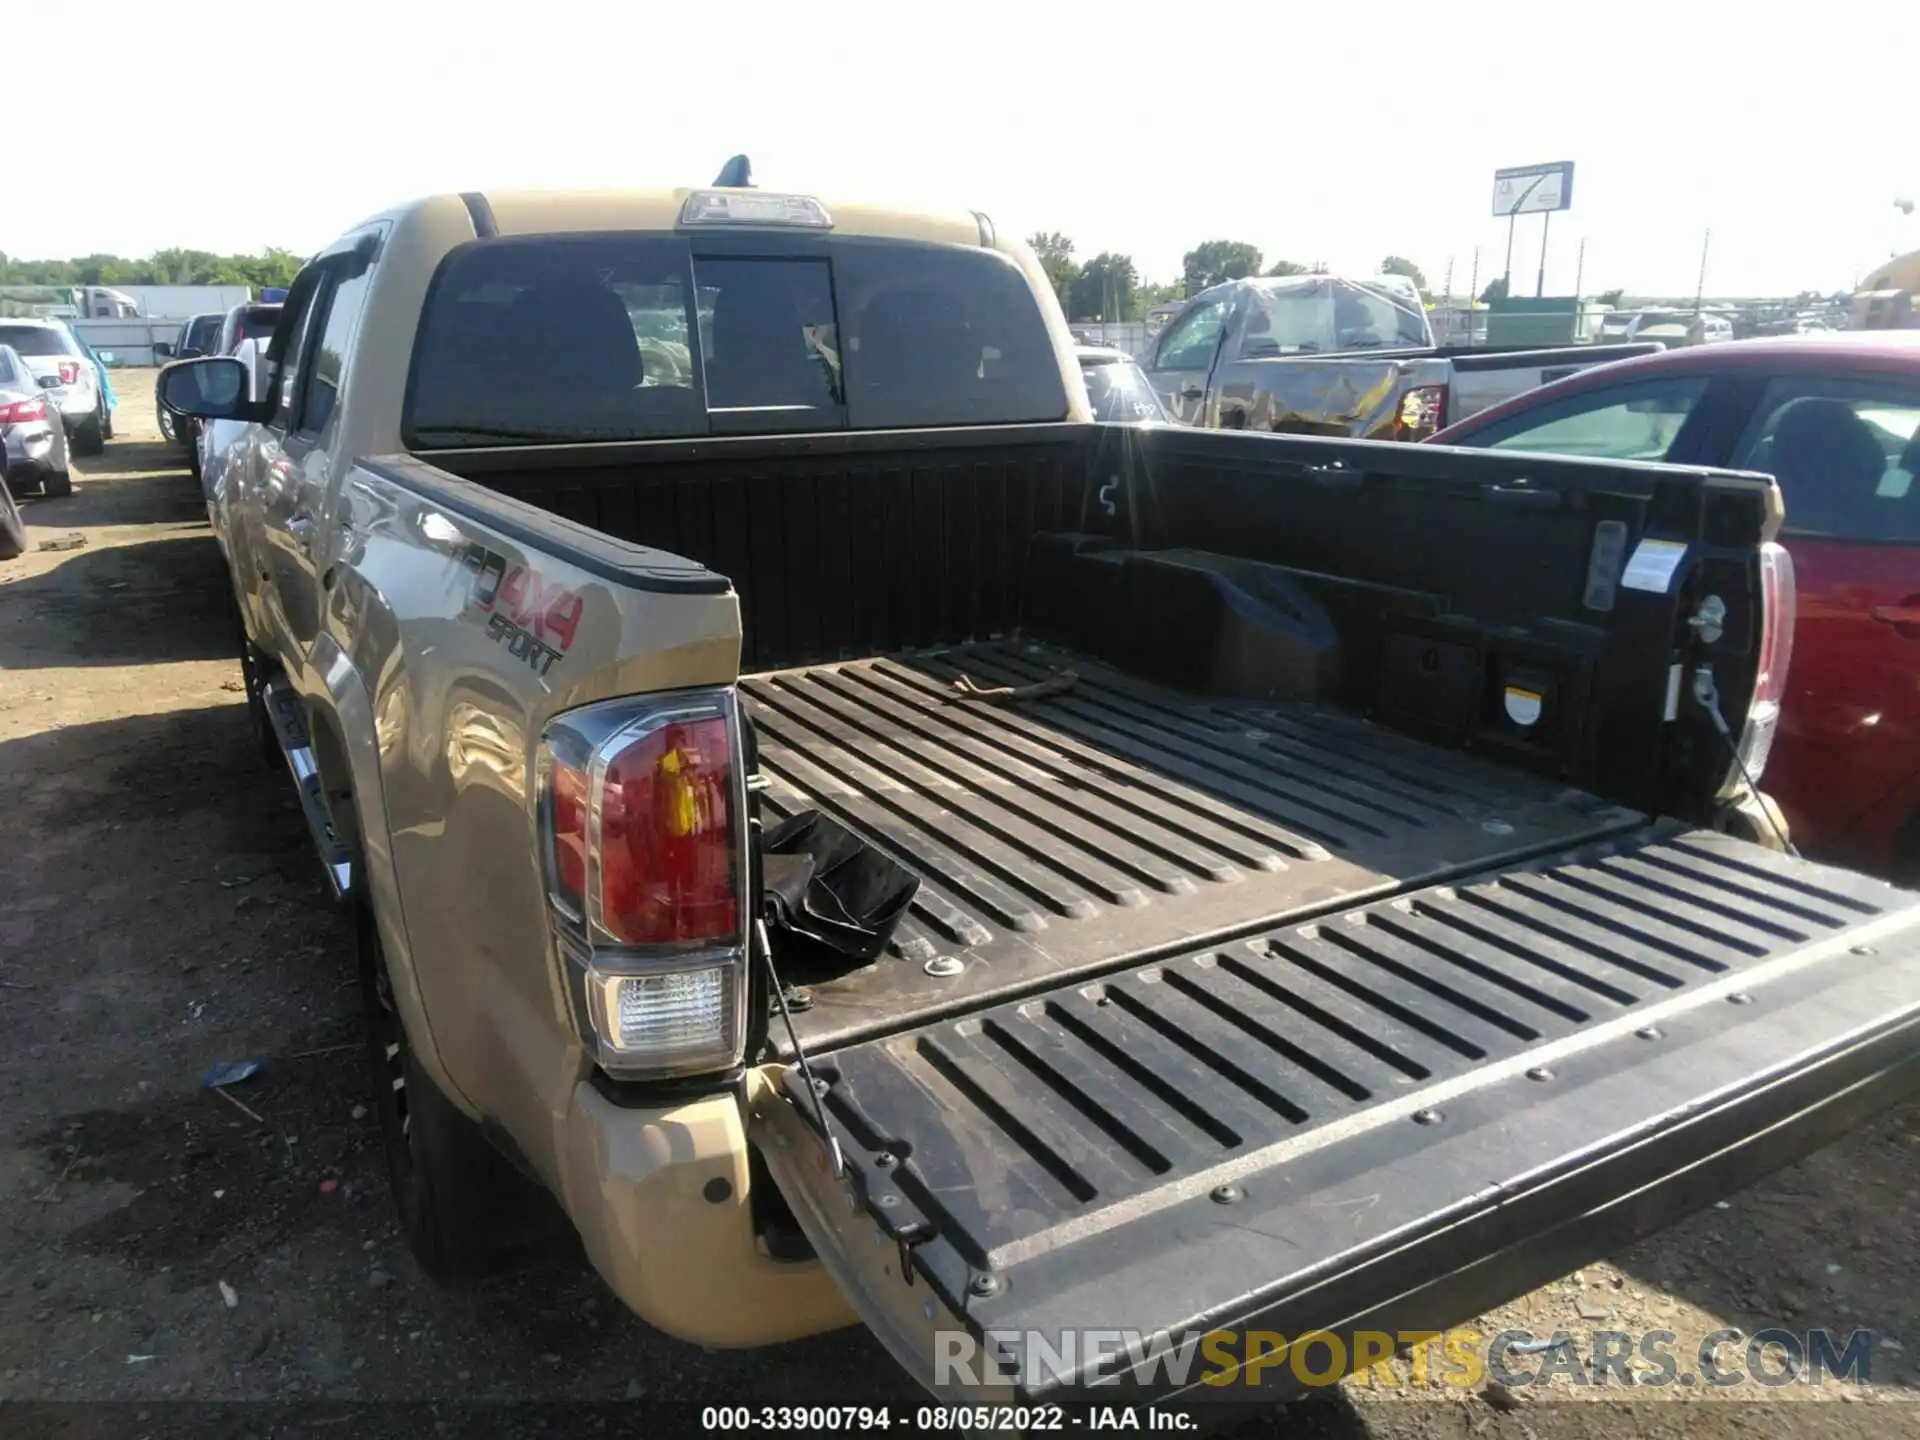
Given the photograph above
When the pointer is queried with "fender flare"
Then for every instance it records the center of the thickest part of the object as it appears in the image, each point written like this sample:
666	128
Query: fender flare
338	702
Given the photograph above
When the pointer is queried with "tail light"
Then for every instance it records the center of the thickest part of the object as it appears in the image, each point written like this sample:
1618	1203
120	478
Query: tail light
642	814
69	372
1778	599
22	411
1423	412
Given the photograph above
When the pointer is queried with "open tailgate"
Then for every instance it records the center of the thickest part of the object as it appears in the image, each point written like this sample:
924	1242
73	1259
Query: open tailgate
1390	1119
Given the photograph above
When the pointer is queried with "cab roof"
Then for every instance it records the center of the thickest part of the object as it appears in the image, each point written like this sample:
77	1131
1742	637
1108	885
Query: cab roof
542	212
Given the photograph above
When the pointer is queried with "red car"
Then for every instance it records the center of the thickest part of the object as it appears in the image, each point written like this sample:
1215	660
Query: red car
1835	420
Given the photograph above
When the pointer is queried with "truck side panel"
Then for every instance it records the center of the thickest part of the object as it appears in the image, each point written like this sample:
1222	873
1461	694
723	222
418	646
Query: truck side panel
470	622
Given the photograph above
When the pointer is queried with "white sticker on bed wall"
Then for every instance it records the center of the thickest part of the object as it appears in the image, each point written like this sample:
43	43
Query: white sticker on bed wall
1672	711
1653	564
1523	706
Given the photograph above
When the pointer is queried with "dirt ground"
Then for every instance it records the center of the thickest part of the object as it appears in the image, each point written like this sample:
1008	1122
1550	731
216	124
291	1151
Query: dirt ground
169	1253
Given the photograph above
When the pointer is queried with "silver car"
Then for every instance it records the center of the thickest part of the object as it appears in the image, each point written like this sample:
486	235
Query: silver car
32	439
66	375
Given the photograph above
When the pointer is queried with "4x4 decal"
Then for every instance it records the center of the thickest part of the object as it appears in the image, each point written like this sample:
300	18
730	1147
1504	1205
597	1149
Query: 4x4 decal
534	618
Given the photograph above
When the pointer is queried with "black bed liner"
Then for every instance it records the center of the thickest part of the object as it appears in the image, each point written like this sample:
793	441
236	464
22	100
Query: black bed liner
1114	821
1388	1119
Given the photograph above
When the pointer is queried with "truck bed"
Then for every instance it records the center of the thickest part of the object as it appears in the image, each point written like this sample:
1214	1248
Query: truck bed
1114	821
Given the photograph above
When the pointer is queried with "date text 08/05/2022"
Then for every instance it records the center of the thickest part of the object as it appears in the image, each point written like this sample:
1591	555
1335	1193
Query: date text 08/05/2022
941	1419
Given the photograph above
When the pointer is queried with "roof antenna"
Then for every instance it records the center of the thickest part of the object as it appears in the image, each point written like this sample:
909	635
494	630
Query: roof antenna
736	174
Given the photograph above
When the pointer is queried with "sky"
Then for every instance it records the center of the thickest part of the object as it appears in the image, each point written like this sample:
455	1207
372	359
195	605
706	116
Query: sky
1321	132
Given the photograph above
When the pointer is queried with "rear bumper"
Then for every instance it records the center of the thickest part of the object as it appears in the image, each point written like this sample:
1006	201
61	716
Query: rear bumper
661	1200
76	402
1174	1158
29	449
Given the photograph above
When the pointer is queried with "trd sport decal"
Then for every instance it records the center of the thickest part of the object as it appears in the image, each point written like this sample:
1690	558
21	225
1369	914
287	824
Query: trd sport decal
533	619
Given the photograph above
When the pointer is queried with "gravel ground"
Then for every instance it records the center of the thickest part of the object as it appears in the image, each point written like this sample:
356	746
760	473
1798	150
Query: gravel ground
170	1253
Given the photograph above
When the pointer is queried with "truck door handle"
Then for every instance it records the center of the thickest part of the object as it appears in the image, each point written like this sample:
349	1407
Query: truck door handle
1522	494
1193	392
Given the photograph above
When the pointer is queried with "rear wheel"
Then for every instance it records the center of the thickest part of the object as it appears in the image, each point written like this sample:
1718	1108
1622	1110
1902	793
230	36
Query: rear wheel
13	534
457	1199
57	483
88	436
106	418
254	674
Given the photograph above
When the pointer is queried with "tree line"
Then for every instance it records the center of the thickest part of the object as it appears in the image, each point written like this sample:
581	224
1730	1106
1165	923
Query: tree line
163	267
1109	287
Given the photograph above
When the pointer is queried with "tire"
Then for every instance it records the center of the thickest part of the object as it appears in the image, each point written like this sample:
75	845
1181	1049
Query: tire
106	418
457	1199
163	419
87	437
254	674
13	534
56	484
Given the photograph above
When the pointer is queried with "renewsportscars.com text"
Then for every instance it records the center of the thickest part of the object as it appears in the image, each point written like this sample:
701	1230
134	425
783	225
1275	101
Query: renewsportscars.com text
1460	1358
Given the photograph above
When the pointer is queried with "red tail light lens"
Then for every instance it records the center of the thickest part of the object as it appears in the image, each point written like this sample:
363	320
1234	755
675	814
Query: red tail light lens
69	371
667	843
1423	412
22	411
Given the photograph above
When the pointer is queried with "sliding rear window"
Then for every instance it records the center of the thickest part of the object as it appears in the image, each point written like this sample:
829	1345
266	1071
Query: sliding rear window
629	337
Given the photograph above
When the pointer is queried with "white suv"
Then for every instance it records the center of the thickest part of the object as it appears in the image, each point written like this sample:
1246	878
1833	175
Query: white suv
67	376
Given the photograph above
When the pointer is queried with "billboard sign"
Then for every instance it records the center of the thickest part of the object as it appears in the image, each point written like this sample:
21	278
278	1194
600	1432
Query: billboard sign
1533	189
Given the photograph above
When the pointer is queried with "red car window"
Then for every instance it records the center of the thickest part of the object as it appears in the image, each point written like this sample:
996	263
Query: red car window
1845	452
1621	422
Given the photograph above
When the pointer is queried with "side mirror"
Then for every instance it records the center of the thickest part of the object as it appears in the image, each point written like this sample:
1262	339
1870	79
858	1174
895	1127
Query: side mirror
211	389
163	350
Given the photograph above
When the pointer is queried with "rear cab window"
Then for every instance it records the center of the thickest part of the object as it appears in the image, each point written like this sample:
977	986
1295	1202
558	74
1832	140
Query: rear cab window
1845	453
255	324
30	341
1324	315
645	336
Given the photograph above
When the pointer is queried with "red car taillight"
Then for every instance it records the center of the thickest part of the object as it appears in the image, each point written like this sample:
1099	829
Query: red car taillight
1423	412
69	372
22	411
643	828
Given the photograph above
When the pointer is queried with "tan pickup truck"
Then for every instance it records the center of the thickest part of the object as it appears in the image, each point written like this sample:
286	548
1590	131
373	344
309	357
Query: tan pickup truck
1305	894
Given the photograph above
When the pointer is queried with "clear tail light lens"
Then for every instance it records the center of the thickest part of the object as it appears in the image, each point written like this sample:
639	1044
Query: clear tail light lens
1423	412
1778	599
642	809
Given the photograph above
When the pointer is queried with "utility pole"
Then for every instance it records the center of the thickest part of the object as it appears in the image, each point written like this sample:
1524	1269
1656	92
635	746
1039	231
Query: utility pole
1580	267
1700	288
1473	295
1511	217
1540	280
